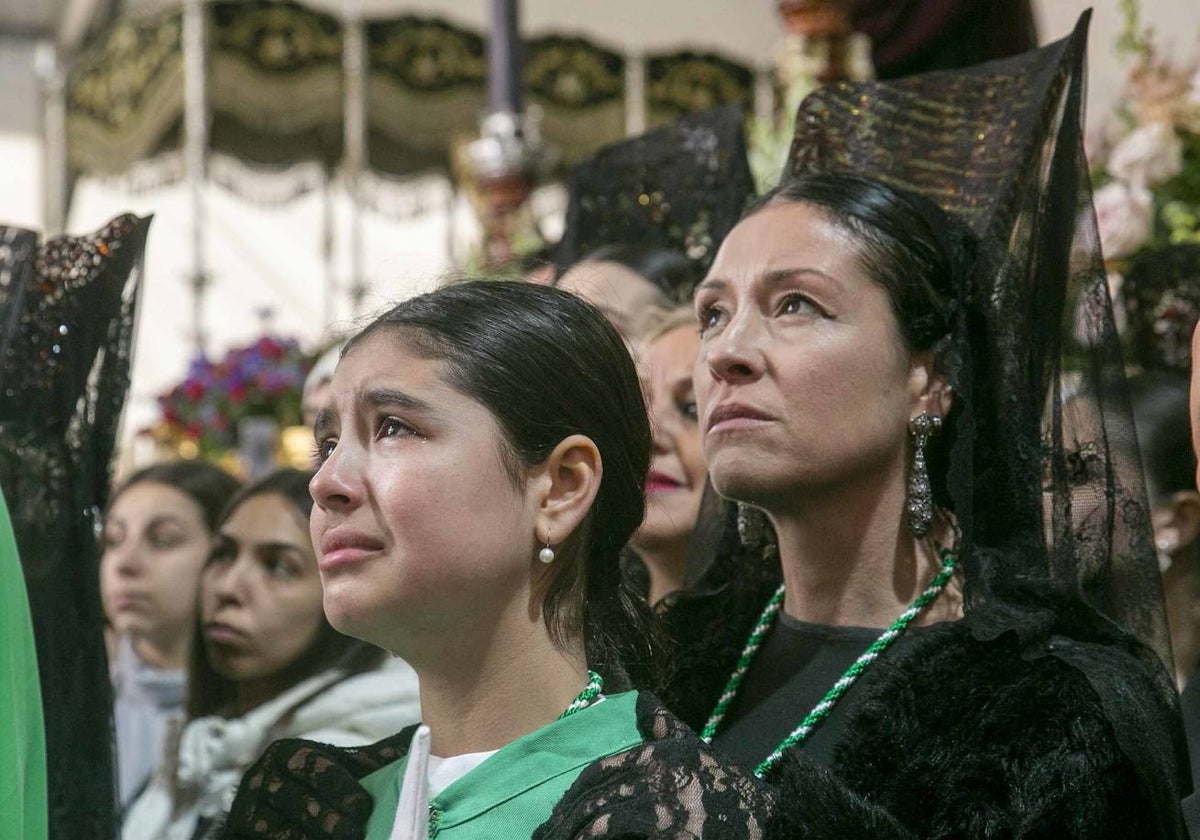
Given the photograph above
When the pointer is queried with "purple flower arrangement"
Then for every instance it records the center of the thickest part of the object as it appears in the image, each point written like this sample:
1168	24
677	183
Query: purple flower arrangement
263	379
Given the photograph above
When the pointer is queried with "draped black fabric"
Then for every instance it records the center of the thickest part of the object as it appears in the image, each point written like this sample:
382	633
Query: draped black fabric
67	309
682	187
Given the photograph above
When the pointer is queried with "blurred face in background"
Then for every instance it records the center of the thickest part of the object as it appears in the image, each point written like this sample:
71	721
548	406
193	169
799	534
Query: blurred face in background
155	544
260	596
628	300
675	484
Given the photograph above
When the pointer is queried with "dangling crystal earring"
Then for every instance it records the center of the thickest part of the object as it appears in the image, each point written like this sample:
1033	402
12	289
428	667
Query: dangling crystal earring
546	555
920	493
750	525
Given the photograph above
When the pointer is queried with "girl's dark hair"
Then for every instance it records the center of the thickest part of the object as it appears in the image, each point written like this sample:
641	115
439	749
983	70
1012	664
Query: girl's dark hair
207	485
669	271
209	692
548	365
1160	413
919	254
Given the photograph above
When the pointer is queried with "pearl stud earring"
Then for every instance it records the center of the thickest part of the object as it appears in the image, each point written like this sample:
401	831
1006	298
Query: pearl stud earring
546	555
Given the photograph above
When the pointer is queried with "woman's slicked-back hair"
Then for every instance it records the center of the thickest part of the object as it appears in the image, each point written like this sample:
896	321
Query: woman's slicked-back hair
209	486
920	255
209	692
548	365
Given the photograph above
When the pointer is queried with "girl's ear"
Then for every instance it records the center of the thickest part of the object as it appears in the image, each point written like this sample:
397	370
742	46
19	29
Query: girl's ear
567	484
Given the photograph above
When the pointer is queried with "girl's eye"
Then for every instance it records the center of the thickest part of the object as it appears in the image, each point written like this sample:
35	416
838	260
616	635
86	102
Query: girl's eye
322	449
689	410
393	427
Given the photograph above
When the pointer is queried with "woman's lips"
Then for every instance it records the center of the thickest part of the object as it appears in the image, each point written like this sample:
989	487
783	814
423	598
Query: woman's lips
127	601
734	416
657	482
223	634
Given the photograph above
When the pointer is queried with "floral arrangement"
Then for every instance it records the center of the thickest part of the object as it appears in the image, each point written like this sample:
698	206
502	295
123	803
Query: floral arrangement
1145	156
264	379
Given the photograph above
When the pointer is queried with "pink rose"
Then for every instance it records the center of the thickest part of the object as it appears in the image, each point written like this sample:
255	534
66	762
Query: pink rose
1150	155
1125	215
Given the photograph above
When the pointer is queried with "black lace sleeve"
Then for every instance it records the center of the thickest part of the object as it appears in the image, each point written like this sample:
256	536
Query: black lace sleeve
67	313
670	786
302	790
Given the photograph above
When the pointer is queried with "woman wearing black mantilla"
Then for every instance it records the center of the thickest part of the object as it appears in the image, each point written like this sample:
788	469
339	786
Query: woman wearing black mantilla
912	371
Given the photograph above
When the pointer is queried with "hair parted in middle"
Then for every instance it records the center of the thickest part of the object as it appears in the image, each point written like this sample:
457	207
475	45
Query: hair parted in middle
548	365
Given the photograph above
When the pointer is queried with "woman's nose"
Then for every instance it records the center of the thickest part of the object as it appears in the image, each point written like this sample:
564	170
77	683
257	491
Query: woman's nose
735	355
228	581
124	557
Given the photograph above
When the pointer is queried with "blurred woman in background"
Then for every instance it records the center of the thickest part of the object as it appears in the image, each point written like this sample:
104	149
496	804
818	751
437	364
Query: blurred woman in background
675	484
157	535
265	664
632	284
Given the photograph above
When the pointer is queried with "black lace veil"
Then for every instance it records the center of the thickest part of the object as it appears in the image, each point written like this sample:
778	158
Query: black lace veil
1044	472
67	314
682	186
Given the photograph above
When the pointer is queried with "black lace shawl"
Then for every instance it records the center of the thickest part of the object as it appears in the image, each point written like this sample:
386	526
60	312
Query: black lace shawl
681	187
670	786
1061	587
67	310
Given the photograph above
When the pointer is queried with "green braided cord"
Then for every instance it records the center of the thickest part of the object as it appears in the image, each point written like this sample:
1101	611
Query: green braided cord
822	709
591	691
765	622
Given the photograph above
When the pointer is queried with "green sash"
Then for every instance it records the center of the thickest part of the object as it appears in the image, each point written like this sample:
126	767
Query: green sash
514	791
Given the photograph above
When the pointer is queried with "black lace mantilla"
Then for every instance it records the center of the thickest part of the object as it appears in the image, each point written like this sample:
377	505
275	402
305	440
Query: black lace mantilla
682	187
67	309
670	786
